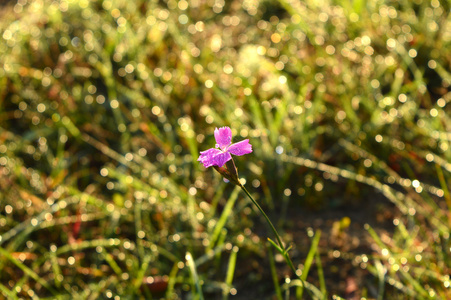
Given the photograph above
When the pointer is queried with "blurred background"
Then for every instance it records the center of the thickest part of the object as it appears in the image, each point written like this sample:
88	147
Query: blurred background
105	105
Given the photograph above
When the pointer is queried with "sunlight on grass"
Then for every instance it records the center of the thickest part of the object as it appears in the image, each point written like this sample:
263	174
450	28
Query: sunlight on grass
105	105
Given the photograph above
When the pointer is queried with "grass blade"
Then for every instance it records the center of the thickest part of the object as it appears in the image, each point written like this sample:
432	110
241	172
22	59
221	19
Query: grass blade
8	293
27	271
311	255
195	279
322	281
230	272
224	217
275	279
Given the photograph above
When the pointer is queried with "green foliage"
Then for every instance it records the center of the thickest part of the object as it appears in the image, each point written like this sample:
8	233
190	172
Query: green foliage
104	106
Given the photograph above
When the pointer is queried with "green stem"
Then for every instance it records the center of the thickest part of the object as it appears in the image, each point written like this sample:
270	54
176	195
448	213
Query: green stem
279	240
284	251
285	254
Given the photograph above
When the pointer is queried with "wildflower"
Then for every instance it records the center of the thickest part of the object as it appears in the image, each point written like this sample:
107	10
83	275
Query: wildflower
221	154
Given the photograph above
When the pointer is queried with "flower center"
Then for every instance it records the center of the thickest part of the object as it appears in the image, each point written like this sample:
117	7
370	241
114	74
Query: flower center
223	150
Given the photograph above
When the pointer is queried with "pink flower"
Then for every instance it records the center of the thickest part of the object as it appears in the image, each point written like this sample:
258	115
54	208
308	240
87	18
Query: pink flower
221	154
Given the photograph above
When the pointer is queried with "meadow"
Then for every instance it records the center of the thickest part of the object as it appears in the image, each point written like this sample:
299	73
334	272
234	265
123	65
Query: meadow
105	106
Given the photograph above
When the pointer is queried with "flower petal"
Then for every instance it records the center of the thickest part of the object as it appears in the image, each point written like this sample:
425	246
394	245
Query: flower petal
214	157
206	156
223	137
240	148
220	159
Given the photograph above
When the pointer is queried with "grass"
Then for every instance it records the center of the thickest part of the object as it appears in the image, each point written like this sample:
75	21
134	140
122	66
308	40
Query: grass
105	105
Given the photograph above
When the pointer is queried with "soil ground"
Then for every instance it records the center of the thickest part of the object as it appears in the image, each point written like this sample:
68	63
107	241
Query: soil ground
339	249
